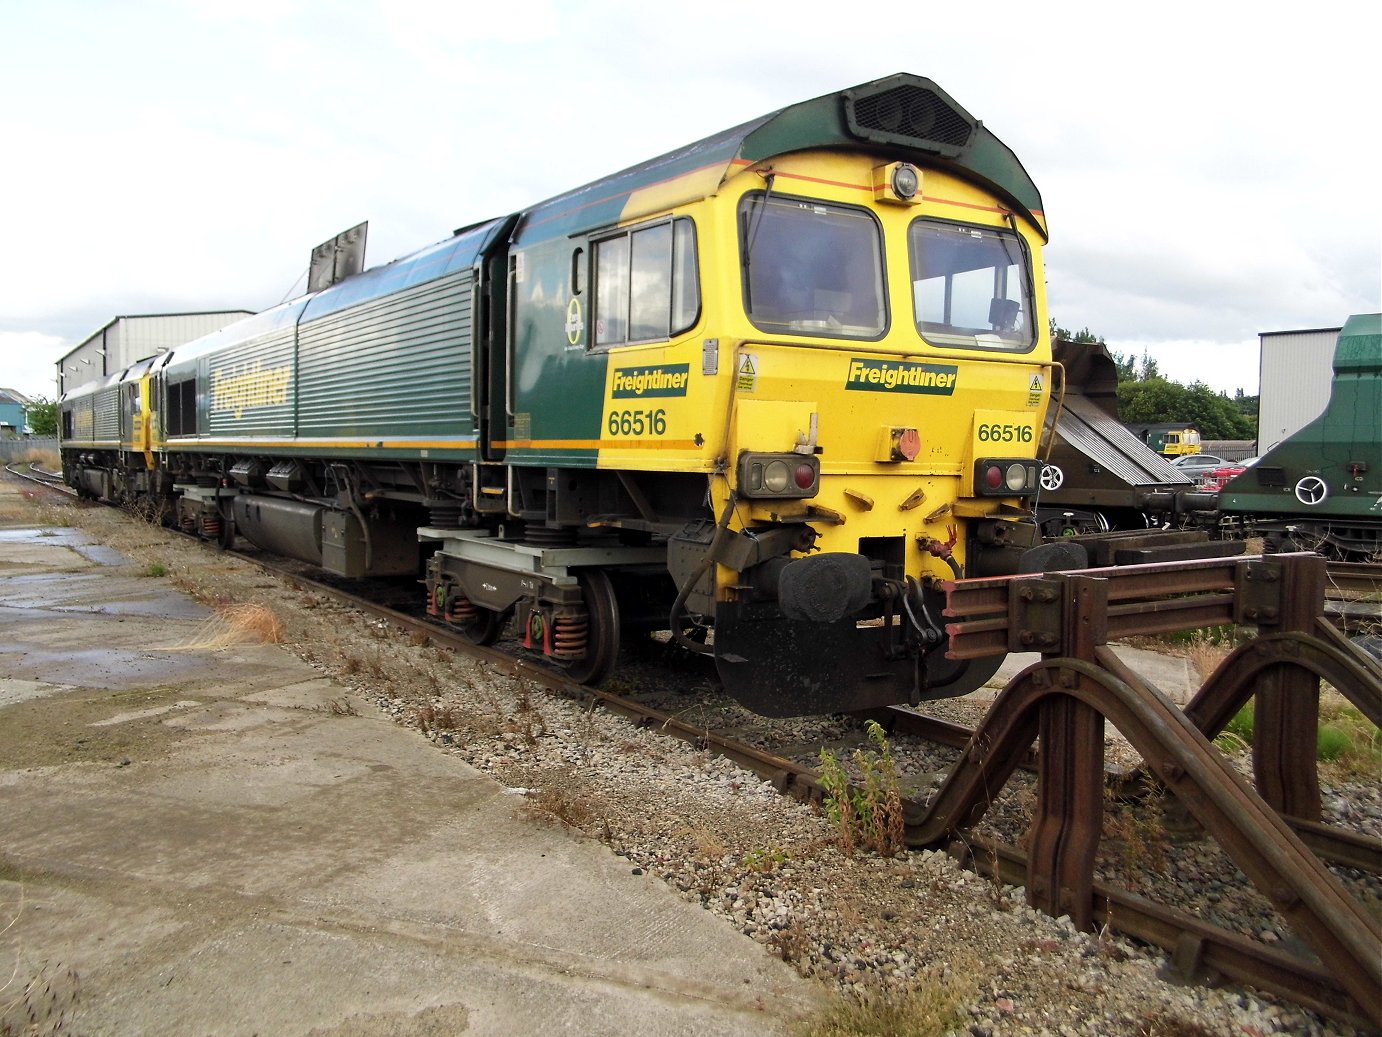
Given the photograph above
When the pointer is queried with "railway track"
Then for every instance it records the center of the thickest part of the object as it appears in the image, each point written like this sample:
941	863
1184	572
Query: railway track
31	471
1285	855
1338	977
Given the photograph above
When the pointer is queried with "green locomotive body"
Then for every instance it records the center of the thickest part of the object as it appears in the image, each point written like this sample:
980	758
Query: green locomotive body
1321	488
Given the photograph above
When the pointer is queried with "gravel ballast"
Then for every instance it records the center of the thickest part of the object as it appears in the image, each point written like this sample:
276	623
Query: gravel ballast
721	837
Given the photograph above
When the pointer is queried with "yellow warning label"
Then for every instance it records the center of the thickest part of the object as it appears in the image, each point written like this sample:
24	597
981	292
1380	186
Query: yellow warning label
748	373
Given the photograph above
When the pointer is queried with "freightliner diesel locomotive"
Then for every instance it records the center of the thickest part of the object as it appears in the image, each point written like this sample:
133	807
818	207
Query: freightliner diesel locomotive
764	392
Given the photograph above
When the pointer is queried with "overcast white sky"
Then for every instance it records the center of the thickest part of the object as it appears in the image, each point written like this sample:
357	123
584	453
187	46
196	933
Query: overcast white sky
1209	170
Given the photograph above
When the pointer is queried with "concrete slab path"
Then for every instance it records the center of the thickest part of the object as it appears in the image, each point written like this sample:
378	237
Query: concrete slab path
200	843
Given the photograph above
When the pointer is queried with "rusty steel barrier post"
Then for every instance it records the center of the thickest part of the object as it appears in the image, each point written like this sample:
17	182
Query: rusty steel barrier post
1069	815
1063	701
1285	595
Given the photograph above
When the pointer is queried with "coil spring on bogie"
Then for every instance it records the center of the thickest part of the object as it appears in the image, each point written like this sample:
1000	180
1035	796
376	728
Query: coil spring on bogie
570	636
211	525
188	522
460	609
454	607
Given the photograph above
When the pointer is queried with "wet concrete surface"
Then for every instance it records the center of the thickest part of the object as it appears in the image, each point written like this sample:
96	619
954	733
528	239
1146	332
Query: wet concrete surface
197	842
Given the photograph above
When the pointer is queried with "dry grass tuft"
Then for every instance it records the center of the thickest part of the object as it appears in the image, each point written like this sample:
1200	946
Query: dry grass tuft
793	942
1168	1024
1206	654
1135	831
565	805
42	1007
708	844
437	717
240	624
935	1004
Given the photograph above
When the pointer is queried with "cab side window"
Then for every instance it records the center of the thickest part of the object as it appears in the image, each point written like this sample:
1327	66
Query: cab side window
645	284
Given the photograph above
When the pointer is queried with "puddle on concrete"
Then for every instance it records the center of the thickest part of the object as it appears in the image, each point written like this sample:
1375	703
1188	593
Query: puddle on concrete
76	592
111	668
50	534
100	554
64	536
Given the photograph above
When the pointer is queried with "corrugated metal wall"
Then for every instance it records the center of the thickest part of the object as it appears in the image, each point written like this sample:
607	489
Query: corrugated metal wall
1297	371
143	337
395	367
128	340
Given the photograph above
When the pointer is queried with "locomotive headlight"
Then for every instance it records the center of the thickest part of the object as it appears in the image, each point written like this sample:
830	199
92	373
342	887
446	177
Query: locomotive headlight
775	476
898	183
778	475
1005	476
906	181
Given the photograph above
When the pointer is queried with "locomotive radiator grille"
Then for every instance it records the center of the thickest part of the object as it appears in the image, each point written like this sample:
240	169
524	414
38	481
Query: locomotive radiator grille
910	114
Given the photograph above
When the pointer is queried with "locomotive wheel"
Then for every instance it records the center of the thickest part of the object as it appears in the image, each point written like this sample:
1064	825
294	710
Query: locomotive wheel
225	539
602	648
484	629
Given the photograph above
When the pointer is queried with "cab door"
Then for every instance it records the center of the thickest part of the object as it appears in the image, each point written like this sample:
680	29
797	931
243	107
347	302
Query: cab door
491	360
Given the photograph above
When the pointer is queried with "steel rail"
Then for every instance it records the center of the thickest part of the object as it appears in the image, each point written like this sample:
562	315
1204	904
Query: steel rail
51	480
1355	578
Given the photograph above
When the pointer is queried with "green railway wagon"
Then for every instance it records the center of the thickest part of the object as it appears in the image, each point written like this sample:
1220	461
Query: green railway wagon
1321	488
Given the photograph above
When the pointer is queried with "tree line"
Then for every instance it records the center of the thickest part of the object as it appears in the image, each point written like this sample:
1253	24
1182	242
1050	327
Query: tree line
1147	397
42	416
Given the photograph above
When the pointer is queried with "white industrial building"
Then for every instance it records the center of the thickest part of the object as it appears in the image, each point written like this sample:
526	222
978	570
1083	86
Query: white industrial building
1297	372
127	340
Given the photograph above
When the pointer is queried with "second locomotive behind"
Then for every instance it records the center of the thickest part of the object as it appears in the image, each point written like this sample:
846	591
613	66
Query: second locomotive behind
765	392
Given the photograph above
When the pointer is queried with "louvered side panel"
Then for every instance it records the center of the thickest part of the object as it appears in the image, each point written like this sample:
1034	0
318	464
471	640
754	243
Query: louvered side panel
108	414
251	388
83	420
397	367
1110	445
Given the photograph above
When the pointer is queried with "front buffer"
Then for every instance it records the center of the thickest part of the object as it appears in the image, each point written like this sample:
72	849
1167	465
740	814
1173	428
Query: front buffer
814	650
